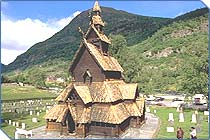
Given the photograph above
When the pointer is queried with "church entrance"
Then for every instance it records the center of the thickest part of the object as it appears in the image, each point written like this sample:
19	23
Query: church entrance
70	123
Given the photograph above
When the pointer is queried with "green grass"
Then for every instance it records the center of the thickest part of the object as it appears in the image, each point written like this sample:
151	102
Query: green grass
15	92
21	118
162	113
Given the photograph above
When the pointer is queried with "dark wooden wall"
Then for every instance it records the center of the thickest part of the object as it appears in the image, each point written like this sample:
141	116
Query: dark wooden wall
113	75
87	62
58	127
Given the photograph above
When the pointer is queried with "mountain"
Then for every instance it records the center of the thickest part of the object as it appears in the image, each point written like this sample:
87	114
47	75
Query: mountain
162	54
175	58
63	44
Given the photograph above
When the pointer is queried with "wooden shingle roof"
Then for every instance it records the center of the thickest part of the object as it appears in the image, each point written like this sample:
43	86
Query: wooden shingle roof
96	7
58	113
102	36
114	114
64	94
101	92
96	19
107	63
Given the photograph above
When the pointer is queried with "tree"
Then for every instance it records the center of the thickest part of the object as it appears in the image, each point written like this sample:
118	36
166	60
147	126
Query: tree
118	44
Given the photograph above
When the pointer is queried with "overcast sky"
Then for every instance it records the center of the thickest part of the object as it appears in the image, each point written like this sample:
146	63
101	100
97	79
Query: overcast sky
25	23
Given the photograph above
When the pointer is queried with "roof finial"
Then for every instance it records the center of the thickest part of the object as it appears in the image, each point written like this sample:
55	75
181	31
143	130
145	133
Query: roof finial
96	7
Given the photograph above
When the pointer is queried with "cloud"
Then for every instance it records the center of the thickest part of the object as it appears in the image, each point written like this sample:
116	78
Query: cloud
20	35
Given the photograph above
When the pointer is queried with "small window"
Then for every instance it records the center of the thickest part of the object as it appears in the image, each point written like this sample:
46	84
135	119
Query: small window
87	76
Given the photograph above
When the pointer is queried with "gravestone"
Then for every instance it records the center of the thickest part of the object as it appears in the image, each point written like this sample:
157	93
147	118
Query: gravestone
170	129
170	117
6	121
10	122
147	109
206	113
37	113
196	112
177	108
181	117
13	123
34	120
23	126
31	112
194	120
155	111
17	124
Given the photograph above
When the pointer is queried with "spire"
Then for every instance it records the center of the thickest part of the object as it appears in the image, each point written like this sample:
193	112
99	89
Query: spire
96	17
96	7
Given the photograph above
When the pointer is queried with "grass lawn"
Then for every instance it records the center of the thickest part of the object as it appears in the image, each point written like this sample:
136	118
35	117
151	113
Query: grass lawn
15	92
21	118
162	113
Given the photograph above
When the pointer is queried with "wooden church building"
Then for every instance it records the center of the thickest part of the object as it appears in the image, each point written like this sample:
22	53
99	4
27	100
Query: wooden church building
97	101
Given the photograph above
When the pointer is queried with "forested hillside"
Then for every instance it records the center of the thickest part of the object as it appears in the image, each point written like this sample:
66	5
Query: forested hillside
175	58
159	54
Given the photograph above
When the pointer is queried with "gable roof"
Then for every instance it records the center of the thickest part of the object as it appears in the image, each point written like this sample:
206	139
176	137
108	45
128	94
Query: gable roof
107	63
58	113
102	92
64	94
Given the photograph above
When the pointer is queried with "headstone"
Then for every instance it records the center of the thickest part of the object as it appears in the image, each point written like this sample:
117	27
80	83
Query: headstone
147	109
13	123
23	126
31	112
196	112
181	117
189	98
170	117
194	118
17	124
155	111
170	129
6	121
37	113
206	113
177	108
10	122
34	120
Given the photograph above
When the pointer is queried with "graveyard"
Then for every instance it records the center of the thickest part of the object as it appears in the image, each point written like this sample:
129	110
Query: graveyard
24	107
163	114
106	100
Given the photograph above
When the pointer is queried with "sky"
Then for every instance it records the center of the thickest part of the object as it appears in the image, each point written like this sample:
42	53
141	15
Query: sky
25	23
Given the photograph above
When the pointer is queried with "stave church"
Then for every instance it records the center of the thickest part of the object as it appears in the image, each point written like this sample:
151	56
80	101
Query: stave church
97	101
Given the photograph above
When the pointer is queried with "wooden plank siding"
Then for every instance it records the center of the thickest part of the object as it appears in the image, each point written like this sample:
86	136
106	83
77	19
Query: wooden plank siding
85	62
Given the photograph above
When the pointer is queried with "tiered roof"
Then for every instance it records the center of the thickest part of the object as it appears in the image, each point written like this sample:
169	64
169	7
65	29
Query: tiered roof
101	92
110	101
